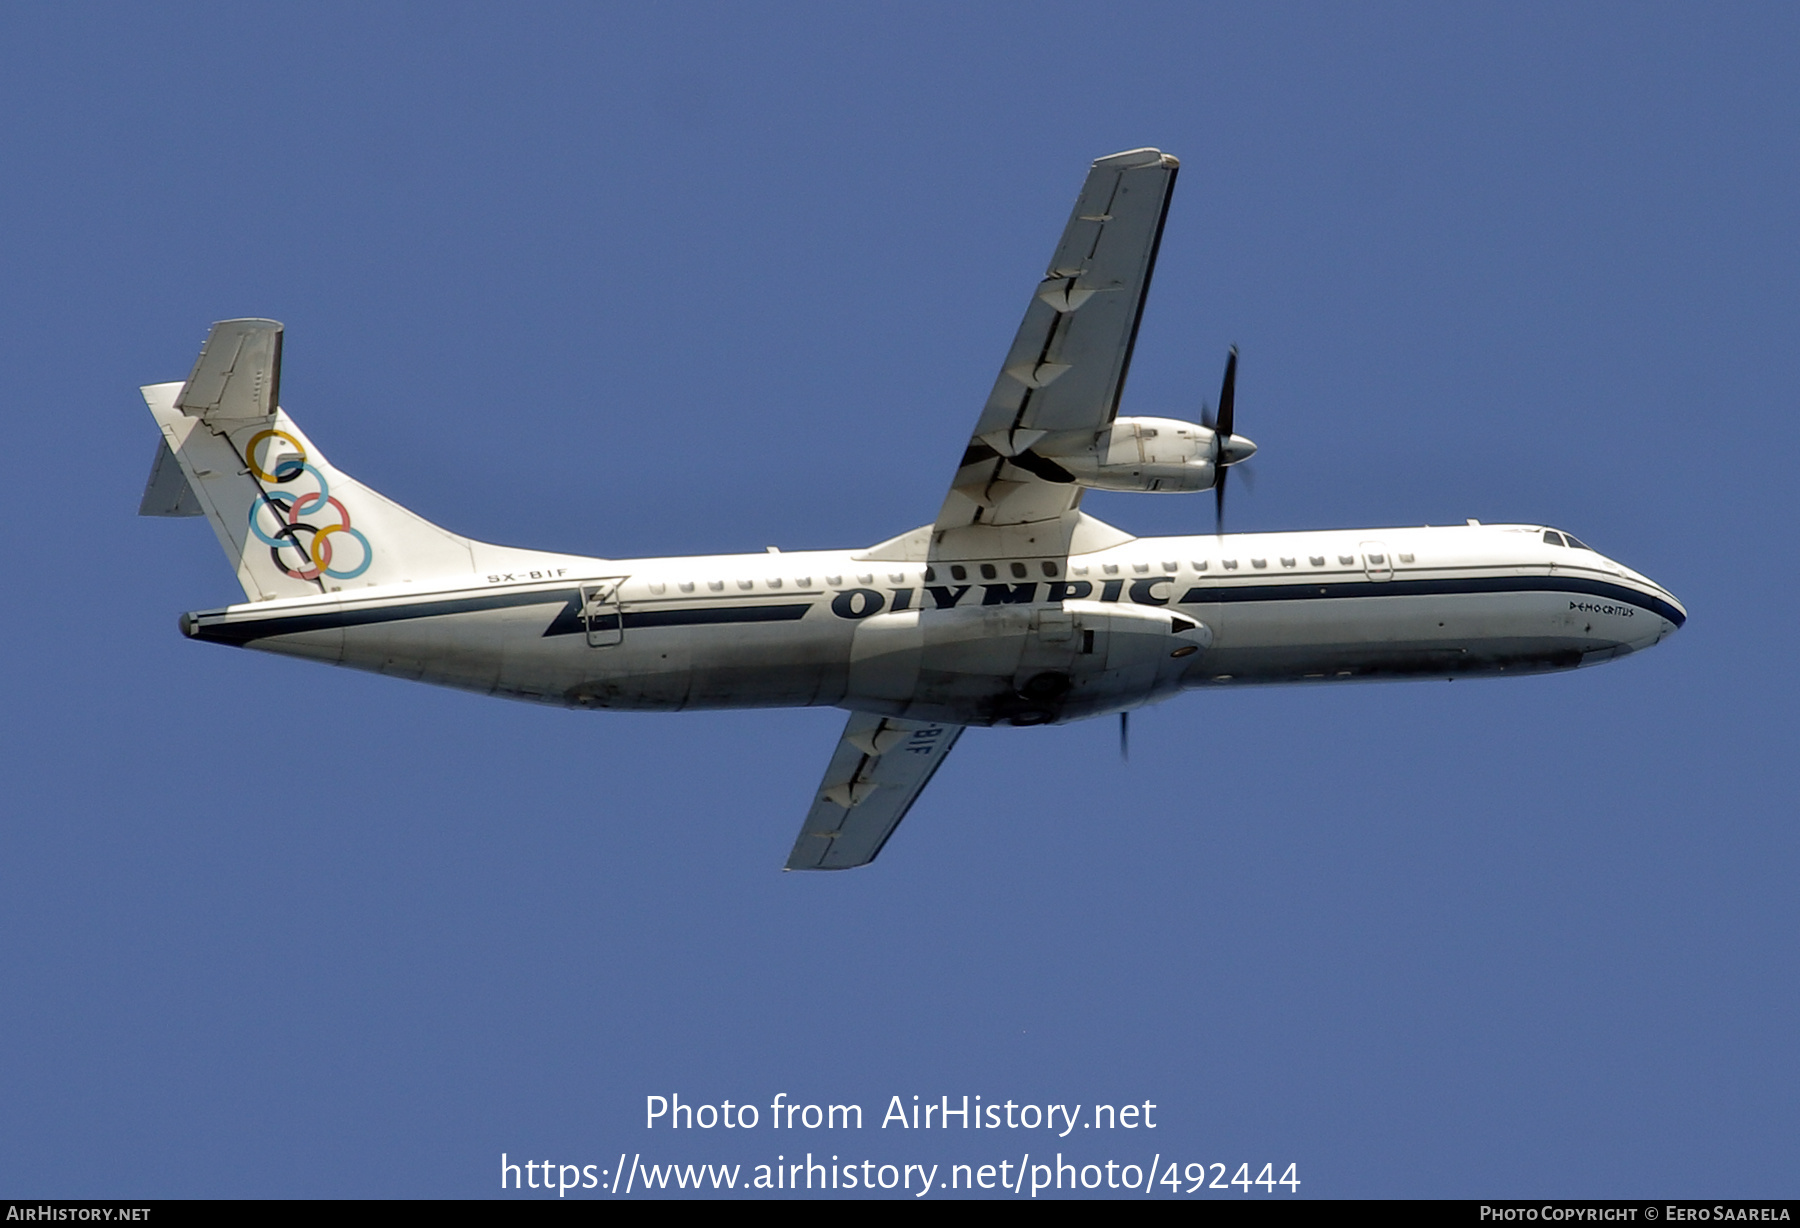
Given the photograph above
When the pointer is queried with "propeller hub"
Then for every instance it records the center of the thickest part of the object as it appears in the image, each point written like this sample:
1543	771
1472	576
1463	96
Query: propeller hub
1235	448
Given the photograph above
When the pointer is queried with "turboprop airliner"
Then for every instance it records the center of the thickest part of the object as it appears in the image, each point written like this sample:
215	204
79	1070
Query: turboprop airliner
1013	606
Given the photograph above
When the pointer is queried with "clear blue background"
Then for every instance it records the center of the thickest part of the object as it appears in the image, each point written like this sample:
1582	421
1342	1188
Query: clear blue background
642	280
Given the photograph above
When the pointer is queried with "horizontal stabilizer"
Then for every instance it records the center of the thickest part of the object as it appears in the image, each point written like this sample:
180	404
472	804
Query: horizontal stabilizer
879	769
238	374
167	493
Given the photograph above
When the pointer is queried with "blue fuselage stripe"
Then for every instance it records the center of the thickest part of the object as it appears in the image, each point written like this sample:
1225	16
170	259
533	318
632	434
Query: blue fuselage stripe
1204	594
568	620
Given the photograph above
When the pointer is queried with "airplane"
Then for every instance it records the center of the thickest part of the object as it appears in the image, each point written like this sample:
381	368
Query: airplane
1014	606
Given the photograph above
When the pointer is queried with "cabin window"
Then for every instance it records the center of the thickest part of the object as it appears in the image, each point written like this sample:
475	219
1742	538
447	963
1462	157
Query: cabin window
866	577
1287	562
1346	559
958	572
1230	564
834	581
1406	558
1111	569
1377	559
746	585
773	581
1317	560
687	586
1168	566
1259	562
1050	569
803	582
930	574
659	587
1200	566
1140	568
717	586
988	572
1552	537
1079	571
1019	571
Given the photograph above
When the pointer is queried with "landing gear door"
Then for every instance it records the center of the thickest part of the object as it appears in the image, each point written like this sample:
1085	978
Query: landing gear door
601	614
1378	564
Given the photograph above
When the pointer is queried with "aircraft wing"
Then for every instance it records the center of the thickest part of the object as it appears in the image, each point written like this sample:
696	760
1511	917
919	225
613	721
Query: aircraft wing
1067	366
879	769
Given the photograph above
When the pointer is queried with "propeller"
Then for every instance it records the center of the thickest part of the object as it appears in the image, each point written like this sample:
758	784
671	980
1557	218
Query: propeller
1228	448
1125	737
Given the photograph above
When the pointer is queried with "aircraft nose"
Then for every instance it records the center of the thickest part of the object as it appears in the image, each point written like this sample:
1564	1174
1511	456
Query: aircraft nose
1679	610
1668	612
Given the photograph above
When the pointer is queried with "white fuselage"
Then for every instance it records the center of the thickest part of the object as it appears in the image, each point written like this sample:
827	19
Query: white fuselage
1025	641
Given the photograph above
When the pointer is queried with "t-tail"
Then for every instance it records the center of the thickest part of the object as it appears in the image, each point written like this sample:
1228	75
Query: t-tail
291	524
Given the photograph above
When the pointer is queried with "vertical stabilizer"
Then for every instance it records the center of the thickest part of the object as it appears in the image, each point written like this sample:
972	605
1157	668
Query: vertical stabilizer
291	524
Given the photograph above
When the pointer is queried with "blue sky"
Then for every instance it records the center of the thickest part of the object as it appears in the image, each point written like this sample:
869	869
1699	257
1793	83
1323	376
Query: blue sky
644	280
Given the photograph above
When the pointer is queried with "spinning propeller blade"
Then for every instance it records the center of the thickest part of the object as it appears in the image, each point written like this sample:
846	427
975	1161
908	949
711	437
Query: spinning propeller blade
1228	394
1227	449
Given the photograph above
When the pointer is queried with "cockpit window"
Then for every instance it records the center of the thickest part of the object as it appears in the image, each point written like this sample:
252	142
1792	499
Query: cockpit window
1552	537
1579	545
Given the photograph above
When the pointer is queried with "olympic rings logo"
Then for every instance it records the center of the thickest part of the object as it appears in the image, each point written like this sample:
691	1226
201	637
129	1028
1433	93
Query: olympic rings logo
294	513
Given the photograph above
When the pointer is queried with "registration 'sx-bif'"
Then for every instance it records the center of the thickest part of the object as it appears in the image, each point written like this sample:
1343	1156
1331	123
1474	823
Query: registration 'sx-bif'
1013	606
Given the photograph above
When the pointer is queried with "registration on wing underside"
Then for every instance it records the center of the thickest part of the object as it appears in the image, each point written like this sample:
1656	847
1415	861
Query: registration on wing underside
879	768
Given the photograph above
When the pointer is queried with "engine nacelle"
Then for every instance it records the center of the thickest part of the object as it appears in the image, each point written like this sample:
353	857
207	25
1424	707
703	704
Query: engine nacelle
1142	455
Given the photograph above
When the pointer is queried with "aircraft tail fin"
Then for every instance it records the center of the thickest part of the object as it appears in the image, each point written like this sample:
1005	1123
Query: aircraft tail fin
291	524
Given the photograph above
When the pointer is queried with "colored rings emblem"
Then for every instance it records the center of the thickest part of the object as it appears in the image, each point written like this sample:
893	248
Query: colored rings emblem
300	547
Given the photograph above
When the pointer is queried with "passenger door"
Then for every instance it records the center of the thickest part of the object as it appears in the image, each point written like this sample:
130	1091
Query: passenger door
601	614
